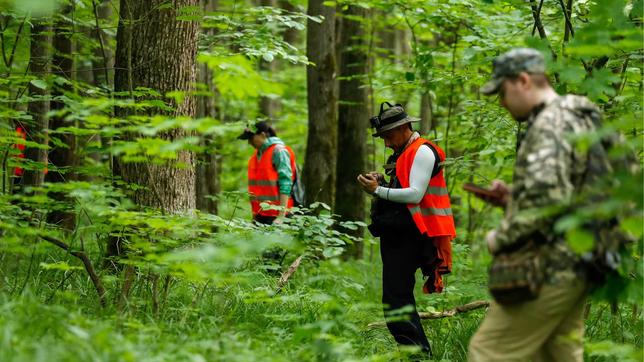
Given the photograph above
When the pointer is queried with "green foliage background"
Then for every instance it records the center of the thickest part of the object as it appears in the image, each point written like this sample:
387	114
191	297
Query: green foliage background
202	290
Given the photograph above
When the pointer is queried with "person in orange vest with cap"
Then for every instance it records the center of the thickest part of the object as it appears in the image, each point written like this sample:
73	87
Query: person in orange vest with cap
412	216
271	173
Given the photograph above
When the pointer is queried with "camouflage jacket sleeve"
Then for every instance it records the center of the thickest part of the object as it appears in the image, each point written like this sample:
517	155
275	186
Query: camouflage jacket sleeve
541	182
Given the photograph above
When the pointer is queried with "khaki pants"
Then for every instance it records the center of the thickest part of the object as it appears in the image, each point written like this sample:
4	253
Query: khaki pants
549	328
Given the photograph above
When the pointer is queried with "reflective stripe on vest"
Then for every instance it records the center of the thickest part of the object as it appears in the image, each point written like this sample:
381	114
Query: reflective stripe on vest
438	191
433	214
263	186
262	183
264	198
425	211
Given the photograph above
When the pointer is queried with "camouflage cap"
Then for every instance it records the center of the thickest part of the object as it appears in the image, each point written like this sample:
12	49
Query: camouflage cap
511	64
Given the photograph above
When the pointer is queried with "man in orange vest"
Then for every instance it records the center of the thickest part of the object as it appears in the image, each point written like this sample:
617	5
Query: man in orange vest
412	216
271	173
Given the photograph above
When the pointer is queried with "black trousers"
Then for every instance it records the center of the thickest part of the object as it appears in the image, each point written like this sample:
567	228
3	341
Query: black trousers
267	220
402	254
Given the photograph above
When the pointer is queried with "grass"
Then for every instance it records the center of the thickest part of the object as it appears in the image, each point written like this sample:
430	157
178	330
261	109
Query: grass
321	315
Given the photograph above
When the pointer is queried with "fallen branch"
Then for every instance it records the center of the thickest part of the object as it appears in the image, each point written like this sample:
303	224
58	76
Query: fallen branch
100	290
284	278
438	315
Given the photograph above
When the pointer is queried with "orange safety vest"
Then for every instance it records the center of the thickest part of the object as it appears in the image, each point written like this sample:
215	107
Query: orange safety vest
433	215
20	131
262	181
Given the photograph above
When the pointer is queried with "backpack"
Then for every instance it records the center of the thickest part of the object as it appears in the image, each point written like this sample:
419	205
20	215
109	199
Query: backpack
297	191
604	259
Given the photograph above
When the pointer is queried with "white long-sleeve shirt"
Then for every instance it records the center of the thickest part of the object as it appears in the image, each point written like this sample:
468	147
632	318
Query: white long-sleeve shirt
421	172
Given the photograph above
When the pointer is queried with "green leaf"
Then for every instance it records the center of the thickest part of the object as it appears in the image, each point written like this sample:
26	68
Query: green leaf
39	83
35	8
580	241
60	265
268	57
572	74
633	225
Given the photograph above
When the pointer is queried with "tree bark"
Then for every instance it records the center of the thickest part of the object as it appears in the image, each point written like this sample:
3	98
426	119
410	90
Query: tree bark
426	113
104	58
62	157
291	35
568	31
268	106
208	166
387	35
352	123
155	50
319	170
39	67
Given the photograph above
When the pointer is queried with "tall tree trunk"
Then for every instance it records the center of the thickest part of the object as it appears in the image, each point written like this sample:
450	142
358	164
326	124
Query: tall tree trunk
103	61
208	166
387	35
319	169
268	106
157	51
403	53
402	44
352	122
62	157
38	67
426	113
291	35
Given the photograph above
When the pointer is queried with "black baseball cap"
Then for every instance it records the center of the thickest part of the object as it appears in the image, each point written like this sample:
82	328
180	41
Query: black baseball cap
259	127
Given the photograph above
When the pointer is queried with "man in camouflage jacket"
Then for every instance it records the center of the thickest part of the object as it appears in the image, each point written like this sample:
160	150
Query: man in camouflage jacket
548	173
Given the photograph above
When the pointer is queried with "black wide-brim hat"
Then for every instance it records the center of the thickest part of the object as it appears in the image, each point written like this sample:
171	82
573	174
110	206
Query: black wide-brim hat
391	118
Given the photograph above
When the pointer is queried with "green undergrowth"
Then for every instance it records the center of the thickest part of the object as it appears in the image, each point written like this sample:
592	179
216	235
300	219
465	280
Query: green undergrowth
321	314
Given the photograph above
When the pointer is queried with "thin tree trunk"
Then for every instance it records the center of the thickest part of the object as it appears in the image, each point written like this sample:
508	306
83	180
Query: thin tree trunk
402	44
452	87
352	124
319	170
291	35
104	57
388	36
567	21
208	163
426	113
268	106
536	15
39	67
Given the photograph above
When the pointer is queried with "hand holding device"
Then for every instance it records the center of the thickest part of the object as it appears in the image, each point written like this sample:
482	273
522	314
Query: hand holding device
498	194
